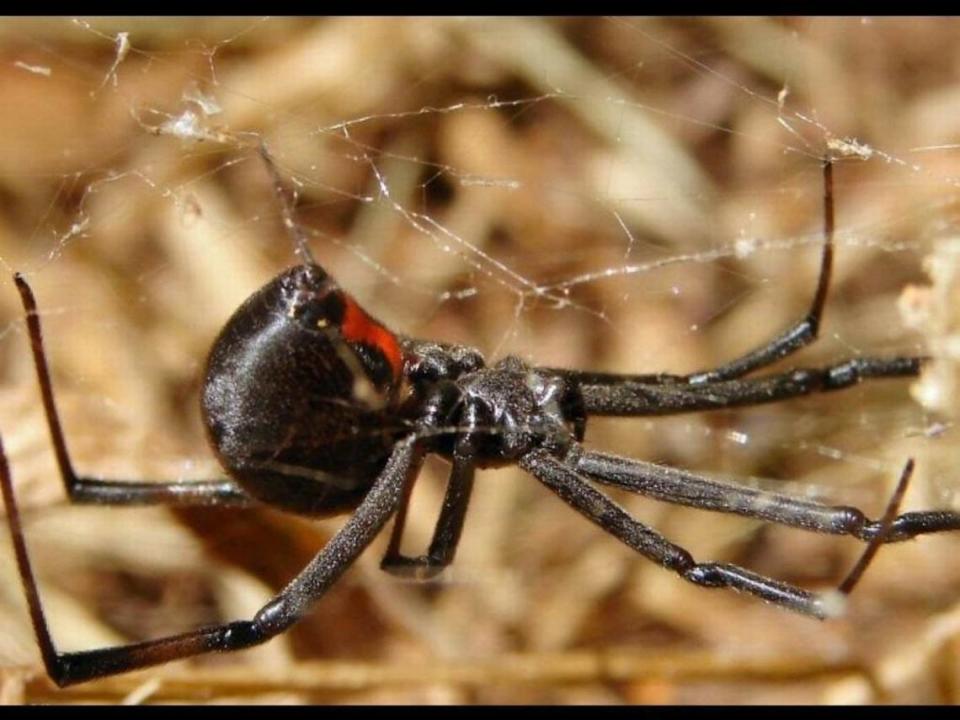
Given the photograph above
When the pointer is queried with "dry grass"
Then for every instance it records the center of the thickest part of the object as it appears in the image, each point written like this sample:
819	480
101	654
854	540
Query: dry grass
669	128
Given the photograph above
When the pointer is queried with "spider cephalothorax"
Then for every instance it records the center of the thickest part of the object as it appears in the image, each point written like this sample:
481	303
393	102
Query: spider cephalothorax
313	406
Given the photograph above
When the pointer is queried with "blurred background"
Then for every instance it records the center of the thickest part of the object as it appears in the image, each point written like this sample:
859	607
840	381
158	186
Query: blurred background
632	195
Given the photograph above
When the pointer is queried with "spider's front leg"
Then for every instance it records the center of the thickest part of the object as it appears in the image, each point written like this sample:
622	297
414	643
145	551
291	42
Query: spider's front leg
802	333
594	505
624	397
686	488
624	394
564	480
97	491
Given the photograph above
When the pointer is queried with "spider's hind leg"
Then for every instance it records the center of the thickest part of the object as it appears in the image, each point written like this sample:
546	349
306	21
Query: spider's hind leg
281	612
221	493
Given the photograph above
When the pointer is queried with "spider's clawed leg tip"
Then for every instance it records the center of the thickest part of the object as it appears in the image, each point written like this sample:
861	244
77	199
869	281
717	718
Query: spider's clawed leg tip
23	287
832	605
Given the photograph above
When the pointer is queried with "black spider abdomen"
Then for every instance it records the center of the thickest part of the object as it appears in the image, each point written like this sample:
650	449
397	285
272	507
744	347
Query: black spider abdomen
297	392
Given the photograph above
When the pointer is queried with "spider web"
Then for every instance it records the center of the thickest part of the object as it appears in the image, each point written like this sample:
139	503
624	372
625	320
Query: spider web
632	195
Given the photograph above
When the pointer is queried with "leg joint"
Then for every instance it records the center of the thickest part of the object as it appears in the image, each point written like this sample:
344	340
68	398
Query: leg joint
706	575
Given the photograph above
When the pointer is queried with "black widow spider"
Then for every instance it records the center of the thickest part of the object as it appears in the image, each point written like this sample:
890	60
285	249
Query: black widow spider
313	406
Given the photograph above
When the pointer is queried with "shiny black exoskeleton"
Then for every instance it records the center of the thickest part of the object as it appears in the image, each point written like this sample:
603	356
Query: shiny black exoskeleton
304	397
503	411
315	407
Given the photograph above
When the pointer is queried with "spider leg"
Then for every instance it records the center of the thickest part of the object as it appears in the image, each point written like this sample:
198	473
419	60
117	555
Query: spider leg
788	342
803	332
628	398
594	505
294	229
685	488
277	615
880	537
449	526
222	493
